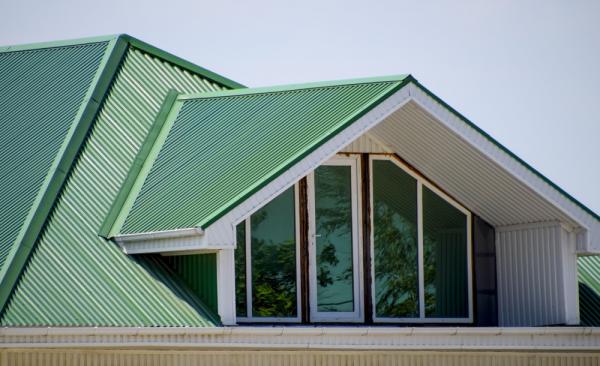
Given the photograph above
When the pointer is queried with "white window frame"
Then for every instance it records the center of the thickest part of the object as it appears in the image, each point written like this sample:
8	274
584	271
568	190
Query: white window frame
248	239
420	183
357	315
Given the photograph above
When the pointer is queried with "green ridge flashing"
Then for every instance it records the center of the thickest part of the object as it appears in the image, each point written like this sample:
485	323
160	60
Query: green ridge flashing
61	167
507	151
292	87
168	117
143	46
397	85
138	164
54	44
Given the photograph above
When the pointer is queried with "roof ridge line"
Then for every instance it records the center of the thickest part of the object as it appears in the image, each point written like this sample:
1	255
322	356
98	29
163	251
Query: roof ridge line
56	44
185	64
293	87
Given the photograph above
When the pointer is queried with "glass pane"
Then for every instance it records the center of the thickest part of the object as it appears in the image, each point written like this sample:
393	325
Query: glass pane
395	245
333	215
240	269
273	259
445	258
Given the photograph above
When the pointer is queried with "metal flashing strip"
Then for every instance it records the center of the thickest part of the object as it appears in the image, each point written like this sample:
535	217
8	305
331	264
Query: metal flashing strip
317	338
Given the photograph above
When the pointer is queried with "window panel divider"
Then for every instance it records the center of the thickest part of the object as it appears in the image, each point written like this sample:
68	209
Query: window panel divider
420	246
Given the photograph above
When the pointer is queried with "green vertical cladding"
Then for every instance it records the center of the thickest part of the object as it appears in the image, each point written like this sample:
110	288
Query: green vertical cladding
236	142
76	278
199	272
589	290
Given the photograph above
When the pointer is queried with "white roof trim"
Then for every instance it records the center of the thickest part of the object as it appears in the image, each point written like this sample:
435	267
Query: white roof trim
322	338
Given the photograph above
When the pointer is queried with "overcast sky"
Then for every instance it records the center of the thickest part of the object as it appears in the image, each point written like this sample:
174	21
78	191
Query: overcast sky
527	72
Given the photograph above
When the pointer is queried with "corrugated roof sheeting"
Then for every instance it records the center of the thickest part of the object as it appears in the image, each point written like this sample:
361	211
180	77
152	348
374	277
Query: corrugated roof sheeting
226	146
41	92
589	290
481	185
76	278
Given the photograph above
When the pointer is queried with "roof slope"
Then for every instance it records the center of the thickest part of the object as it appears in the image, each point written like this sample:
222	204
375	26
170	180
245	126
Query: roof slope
73	276
227	145
43	93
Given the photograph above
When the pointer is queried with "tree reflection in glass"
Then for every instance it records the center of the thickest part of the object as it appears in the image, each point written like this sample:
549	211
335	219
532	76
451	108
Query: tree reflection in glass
273	248
333	215
444	257
395	241
240	269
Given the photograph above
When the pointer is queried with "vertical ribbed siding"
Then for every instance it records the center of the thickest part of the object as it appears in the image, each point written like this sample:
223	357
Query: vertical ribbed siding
365	144
41	92
292	358
199	271
531	270
74	277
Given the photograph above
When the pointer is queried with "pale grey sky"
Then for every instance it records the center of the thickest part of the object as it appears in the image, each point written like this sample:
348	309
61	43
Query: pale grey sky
527	72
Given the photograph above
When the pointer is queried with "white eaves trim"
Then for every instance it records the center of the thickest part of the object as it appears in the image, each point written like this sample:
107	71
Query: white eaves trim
298	338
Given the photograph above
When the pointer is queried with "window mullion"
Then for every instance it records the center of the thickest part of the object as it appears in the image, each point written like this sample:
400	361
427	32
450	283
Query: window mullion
420	249
248	269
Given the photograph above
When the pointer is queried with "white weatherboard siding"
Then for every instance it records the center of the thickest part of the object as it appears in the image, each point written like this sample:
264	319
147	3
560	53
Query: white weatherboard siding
537	275
366	144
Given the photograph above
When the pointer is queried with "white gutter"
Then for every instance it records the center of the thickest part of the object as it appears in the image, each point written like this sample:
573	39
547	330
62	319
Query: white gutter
304	337
165	234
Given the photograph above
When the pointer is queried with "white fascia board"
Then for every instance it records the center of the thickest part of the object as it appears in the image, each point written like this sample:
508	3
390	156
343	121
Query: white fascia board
318	338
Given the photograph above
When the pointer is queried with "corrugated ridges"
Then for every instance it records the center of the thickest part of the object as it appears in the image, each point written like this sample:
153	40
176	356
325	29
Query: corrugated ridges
222	147
76	278
41	93
589	290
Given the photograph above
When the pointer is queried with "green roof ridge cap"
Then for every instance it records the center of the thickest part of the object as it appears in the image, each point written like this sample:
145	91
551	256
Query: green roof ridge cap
176	60
292	87
116	217
507	151
55	44
152	147
60	169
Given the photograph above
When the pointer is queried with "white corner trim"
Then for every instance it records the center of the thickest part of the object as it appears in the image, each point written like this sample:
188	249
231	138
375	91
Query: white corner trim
318	338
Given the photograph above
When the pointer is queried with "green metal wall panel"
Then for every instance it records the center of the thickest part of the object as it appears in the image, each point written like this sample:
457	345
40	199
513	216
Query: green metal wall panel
222	148
41	93
199	272
76	278
589	290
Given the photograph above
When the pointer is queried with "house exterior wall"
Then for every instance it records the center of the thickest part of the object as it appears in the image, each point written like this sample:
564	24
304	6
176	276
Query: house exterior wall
537	275
106	357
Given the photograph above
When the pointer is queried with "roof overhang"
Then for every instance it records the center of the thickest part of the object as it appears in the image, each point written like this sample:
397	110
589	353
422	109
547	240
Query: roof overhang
439	142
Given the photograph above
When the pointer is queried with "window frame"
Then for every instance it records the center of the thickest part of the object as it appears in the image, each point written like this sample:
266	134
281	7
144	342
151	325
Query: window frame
421	181
357	316
248	250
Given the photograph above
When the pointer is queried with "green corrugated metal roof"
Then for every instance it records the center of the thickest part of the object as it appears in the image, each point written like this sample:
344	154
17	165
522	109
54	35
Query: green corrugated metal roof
43	92
589	290
74	277
227	145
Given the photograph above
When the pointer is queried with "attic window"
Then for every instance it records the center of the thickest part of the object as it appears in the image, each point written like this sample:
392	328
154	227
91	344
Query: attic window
419	259
266	262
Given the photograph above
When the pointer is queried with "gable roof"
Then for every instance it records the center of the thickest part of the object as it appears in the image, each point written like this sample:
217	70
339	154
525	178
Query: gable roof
236	142
217	149
57	95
